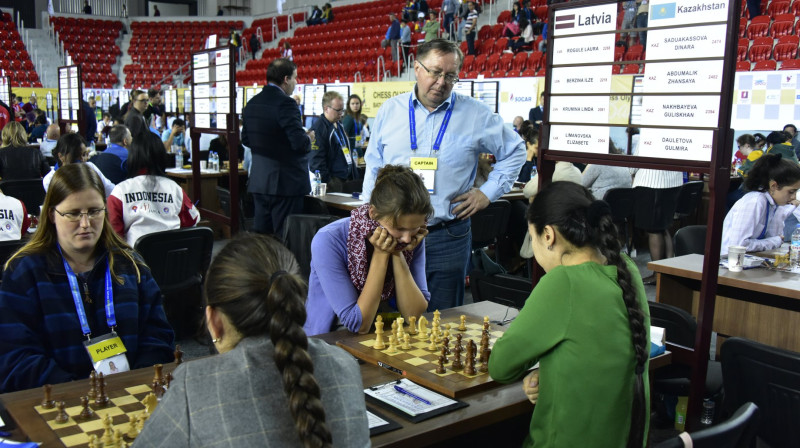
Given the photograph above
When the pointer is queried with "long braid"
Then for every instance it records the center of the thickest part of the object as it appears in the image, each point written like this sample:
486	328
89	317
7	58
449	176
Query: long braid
288	313
608	244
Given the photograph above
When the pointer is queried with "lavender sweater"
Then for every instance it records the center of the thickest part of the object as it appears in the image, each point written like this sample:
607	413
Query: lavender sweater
331	294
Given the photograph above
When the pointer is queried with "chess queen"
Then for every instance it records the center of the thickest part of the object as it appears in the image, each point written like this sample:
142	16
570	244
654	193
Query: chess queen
373	261
587	325
76	279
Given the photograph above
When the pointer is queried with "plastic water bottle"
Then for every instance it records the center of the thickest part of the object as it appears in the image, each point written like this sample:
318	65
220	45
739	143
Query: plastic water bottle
794	250
317	183
708	412
179	159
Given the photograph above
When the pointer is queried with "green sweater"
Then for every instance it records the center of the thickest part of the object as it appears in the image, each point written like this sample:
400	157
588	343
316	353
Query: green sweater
431	30
575	326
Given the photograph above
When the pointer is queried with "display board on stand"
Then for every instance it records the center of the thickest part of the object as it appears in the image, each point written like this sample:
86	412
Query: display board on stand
70	116
680	105
213	102
5	90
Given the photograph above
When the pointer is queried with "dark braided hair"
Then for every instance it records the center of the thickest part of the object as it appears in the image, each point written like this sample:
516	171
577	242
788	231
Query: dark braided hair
254	282
586	222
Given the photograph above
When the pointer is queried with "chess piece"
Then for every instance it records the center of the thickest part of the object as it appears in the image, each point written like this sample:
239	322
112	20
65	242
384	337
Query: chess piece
178	355
443	354
456	365
158	381
48	402
440	368
142	418
100	397
394	328
150	402
392	344
432	347
132	429
92	385
463	326
167	380
423	328
108	432
412	325
406	342
437	315
484	366
469	367
379	324
93	441
446	345
379	344
118	442
62	416
459	345
86	412
486	323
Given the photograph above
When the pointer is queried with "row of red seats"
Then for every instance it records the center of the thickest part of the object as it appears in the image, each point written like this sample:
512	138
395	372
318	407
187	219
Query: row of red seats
764	48
776	7
762	26
99	24
9	64
14	57
12	41
170	27
23	78
768	65
540	12
22	55
92	44
102	58
86	33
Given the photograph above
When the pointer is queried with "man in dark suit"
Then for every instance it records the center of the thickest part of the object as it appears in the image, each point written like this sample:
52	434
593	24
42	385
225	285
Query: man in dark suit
272	129
536	115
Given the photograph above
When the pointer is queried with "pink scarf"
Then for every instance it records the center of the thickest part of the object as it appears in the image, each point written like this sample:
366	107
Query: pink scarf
361	228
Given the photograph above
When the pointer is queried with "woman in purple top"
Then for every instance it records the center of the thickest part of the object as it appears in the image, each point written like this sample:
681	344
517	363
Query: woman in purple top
373	261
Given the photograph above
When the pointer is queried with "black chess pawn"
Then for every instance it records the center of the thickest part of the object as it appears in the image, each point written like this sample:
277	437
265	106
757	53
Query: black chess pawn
86	412
92	385
62	416
457	365
440	368
446	345
47	401
100	397
444	354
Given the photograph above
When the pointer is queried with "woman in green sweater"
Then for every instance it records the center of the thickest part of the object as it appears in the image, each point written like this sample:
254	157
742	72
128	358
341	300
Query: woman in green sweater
587	325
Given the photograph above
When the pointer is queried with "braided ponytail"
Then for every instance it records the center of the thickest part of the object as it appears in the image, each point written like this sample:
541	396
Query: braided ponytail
285	304
254	282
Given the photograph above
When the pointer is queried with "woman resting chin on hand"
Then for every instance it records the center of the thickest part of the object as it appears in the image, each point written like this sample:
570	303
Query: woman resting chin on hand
373	261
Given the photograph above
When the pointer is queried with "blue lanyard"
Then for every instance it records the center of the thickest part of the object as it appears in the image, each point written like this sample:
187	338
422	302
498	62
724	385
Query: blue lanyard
111	318
340	137
355	128
766	223
412	124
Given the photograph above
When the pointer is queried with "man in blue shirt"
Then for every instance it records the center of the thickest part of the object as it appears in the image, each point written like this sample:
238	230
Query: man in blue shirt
441	135
392	35
175	135
120	138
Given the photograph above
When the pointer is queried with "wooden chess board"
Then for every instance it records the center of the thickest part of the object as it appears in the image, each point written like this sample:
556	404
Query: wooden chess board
419	364
124	403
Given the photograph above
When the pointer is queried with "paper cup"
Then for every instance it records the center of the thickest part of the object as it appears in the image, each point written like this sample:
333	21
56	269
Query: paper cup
323	189
203	164
736	258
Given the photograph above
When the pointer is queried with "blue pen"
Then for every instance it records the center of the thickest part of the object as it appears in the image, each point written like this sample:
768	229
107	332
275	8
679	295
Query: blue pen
5	434
416	397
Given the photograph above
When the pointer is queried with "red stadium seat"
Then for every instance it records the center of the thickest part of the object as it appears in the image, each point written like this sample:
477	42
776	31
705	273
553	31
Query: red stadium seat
492	62
541	72
468	61
505	61
616	69
630	69
767	65
742	53
742	66
778	7
757	30
528	73
634	53
790	64
619	52
520	61
504	16
795	8
480	63
761	50
786	48
536	60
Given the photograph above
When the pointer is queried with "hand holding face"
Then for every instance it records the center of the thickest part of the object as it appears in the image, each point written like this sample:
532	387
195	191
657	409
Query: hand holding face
423	232
382	241
531	386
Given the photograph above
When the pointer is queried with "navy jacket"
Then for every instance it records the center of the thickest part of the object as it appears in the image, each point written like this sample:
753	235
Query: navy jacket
41	341
272	129
326	151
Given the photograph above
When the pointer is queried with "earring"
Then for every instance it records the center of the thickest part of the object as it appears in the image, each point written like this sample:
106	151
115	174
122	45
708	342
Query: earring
216	340
550	247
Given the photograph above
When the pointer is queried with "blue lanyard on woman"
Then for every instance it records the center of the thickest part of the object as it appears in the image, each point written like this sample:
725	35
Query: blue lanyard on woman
412	124
111	318
766	223
355	127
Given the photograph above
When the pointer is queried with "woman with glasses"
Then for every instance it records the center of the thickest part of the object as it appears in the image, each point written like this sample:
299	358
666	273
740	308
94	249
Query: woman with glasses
372	262
71	148
149	201
75	285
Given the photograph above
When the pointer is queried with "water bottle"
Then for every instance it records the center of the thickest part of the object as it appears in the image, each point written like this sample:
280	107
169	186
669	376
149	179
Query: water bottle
708	412
317	183
794	250
179	159
216	161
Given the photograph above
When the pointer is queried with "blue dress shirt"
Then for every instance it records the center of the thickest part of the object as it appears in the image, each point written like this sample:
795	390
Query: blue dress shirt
473	129
118	151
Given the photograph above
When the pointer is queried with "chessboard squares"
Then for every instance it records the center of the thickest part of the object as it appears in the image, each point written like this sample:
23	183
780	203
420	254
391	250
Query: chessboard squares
140	389
418	352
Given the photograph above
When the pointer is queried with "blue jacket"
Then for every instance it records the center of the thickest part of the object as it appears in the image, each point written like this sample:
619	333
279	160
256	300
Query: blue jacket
41	341
393	33
326	151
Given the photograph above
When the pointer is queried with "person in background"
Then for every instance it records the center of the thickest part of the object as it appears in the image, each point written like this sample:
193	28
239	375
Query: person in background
156	12
17	160
127	206
31	105
642	15
50	140
754	8
530	135
220	12
352	124
471	27
280	386
405	37
756	221
746	143
372	262
255	45
104	126
601	178
71	148
175	135
27	123
87	8
777	142
316	16
90	117
431	27
330	154
286	51
6	114
41	338
134	118
392	36
120	138
525	38
517	123
13	219
792	131
536	114
327	13
39	129
449	9
564	171
154	113
589	290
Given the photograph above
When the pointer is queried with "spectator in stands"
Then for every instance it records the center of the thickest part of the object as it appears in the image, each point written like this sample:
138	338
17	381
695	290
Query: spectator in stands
120	138
255	44
272	129
373	261
405	37
316	16
219	11
754	7
431	27
392	36
352	125
50	140
71	148
449	9
471	28
90	119
511	28
17	160
757	220
527	12
792	130
628	22
330	154
39	129
134	118
543	43
14	218
410	11
87	8
174	136
525	39
517	123
156	12
124	13
642	15
327	13
601	178
286	52
423	8
146	164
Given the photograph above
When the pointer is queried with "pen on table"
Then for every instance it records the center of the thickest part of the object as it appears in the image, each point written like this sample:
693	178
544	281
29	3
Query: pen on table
5	434
416	397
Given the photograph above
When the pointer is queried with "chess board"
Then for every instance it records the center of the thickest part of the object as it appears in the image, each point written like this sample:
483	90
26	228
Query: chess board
123	404
419	364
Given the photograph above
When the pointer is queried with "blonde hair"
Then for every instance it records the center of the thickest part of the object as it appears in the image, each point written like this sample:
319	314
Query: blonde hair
14	135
